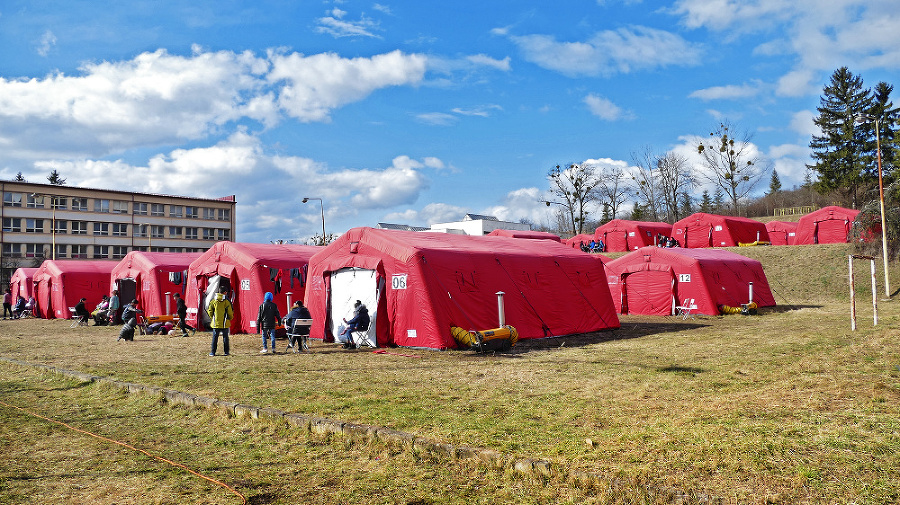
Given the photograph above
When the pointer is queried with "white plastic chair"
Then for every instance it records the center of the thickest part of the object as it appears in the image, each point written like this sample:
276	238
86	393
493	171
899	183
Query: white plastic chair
684	310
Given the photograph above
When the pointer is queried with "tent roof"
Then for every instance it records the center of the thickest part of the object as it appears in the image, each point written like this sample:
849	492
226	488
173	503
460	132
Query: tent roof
619	224
247	254
162	260
50	268
830	212
679	254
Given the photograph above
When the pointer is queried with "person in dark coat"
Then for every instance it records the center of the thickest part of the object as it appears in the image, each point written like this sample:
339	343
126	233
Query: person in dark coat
81	311
359	321
181	311
266	320
298	311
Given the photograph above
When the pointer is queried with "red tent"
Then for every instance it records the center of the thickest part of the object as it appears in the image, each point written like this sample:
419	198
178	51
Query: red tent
524	234
828	225
148	276
59	284
654	280
781	232
711	230
418	285
620	235
22	283
248	271
576	241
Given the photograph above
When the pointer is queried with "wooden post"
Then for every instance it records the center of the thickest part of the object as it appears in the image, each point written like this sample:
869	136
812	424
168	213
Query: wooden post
852	297
874	296
853	290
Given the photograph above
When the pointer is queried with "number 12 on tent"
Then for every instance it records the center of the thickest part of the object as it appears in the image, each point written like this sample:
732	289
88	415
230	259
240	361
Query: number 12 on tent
398	281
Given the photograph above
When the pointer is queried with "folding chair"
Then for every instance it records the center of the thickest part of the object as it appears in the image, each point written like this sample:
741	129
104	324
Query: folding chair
76	320
299	334
684	310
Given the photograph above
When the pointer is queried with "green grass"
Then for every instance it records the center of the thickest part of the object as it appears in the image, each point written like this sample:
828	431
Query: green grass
785	407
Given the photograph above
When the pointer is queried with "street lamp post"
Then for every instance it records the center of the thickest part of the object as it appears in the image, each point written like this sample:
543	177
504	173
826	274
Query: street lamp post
884	247
571	214
305	200
149	237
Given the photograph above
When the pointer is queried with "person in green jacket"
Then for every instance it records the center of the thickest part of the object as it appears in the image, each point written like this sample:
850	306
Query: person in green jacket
220	313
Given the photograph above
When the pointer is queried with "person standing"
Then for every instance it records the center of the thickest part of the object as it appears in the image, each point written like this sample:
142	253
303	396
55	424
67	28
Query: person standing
113	308
181	310
7	304
220	313
266	320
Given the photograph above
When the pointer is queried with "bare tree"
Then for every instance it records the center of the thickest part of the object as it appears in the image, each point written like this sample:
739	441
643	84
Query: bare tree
675	176
576	186
647	186
734	165
613	189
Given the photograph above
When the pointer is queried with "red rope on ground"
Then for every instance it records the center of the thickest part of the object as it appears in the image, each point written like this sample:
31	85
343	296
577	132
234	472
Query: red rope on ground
123	444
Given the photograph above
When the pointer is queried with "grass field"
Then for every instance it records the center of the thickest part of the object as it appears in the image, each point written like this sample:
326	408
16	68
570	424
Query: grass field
789	406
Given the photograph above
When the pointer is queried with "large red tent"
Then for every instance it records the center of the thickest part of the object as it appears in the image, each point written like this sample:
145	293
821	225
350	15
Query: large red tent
418	285
22	283
577	241
781	232
149	276
711	230
248	271
828	225
654	280
59	284
620	235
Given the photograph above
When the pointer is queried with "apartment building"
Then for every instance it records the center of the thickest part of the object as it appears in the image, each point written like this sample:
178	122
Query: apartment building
64	222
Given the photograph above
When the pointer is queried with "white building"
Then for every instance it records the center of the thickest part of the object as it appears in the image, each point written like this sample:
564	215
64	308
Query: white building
474	224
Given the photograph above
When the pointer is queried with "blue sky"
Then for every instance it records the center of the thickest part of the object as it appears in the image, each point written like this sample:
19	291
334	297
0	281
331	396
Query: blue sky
410	112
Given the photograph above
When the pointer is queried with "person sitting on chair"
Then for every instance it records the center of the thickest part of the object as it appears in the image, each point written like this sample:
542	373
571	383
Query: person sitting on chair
19	309
81	311
99	313
298	311
359	322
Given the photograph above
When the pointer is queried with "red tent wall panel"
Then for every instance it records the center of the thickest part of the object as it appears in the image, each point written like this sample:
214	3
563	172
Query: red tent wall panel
620	235
452	280
710	230
781	232
150	271
582	238
22	283
648	292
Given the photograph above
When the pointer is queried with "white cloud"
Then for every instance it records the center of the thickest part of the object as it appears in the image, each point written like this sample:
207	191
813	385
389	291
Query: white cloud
239	165
524	203
609	52
487	61
729	92
336	26
314	85
46	43
480	111
605	109
430	214
437	118
803	122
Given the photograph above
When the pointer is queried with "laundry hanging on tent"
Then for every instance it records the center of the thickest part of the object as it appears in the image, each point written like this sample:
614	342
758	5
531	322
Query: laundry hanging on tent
275	275
300	275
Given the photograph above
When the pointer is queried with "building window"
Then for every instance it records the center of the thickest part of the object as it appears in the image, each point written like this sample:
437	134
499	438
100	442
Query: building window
191	212
175	231
224	234
209	233
176	249
12	224
79	204
119	251
176	211
190	233
209	213
140	230
12	199
157	249
34	250
120	207
35	201
62	251
120	229
101	251
34	225
79	251
60	226
224	214
140	209
101	229
101	205
157	231
12	250
157	209
79	227
58	202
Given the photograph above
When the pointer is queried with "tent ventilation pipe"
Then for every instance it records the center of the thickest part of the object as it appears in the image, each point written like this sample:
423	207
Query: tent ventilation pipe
290	303
168	295
751	293
501	313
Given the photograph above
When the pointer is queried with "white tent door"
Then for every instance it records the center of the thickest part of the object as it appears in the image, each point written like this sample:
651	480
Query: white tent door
347	286
208	297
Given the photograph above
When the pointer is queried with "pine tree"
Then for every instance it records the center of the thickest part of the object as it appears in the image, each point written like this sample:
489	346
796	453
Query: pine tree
20	177
883	109
55	178
840	152
686	204
774	183
718	200
706	203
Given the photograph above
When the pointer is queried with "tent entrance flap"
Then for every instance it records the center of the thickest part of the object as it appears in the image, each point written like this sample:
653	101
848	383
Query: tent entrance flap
347	286
212	287
127	291
649	292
